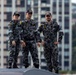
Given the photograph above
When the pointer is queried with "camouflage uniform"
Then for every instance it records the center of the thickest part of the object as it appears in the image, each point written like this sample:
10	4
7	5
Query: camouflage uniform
30	38
15	34
50	49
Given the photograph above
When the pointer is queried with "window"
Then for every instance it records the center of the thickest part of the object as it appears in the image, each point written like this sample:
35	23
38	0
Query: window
35	10
20	3
60	10
5	34
60	49
42	16
66	22
60	18
60	60
66	40
60	4
48	1
45	9
8	16
74	16
54	0
35	2
54	4
66	1
67	49
45	1
54	11
8	3
66	63
66	8
66	57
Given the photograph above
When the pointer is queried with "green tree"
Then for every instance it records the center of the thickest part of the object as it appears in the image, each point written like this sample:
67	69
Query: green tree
74	47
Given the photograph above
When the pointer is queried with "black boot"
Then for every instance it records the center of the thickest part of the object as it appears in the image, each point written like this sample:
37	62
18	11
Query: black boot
36	65
9	65
57	70
15	65
27	65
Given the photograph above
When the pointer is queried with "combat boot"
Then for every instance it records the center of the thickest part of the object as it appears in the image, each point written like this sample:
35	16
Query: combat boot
15	65
9	65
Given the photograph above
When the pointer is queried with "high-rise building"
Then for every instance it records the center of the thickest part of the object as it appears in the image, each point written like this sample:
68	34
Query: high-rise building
61	11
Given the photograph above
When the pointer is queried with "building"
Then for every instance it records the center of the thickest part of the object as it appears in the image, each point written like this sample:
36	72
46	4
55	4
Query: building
74	13
61	11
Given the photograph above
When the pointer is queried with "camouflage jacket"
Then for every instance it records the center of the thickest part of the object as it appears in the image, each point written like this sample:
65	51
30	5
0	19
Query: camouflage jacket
15	30
50	31
30	30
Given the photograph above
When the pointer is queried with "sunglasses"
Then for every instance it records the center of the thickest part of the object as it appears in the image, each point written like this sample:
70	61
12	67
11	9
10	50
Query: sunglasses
30	13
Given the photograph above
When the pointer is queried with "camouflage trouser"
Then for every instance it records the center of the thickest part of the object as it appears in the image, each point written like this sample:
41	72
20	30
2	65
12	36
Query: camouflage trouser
51	56
13	55
32	48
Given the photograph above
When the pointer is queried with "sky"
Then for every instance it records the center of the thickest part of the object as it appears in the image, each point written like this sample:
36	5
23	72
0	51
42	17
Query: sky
74	1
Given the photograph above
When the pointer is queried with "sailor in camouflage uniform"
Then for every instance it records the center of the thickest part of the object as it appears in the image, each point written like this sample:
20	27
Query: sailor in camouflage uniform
30	38
50	29
15	40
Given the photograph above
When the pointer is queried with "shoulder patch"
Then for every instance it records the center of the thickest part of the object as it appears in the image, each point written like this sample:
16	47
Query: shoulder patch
44	26
20	22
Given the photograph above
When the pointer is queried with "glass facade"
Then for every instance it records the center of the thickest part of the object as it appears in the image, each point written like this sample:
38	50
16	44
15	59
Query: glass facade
61	13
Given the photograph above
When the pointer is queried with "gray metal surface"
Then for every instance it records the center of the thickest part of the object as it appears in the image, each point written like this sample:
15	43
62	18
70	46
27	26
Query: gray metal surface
38	72
12	71
31	71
